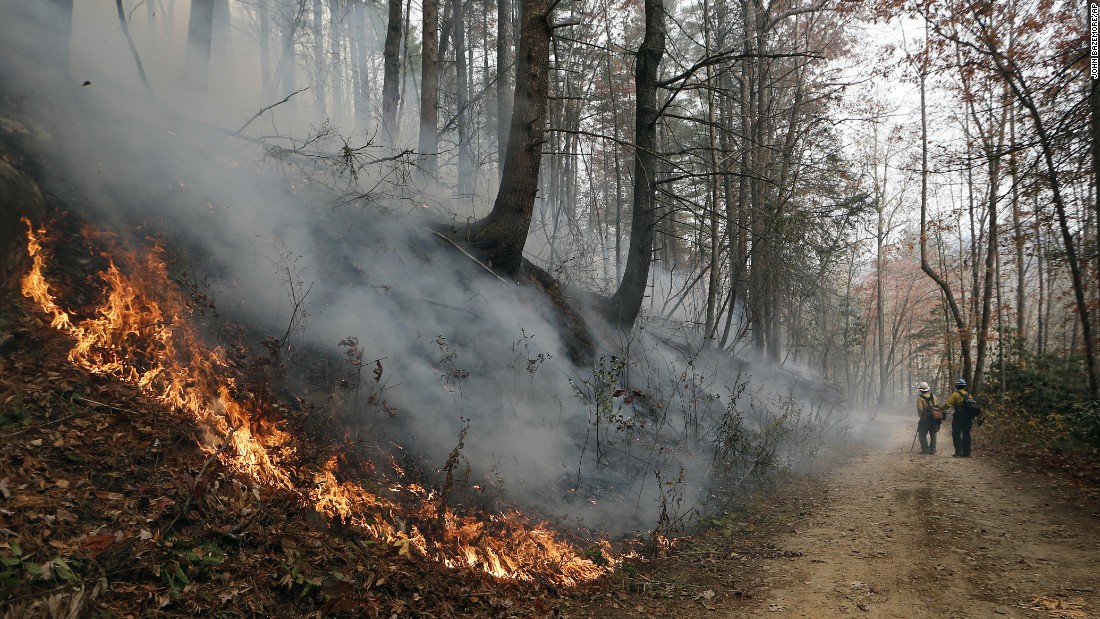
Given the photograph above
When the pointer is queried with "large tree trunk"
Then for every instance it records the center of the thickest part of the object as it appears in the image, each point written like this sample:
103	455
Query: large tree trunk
502	235
624	306
362	72
288	64
465	170
429	91
196	67
336	37
505	70
392	71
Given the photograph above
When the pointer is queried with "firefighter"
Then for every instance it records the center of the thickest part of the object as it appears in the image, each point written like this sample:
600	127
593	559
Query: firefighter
927	425
962	419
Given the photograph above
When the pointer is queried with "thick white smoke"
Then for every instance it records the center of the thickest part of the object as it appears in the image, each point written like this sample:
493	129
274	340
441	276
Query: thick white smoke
650	427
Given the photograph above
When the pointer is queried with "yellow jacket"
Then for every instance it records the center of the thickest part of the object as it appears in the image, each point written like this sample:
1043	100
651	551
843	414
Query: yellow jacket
956	399
924	405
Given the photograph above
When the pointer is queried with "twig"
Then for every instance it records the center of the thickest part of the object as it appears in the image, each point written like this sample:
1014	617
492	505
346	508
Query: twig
244	525
133	49
266	108
467	254
233	534
137	6
110	406
43	424
191	495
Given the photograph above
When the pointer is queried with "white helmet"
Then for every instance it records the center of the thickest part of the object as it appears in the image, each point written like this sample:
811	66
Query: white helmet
923	388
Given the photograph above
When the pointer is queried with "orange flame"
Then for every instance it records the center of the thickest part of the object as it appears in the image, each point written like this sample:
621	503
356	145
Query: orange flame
140	338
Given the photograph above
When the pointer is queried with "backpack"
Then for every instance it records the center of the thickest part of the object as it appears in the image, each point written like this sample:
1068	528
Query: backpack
970	407
932	409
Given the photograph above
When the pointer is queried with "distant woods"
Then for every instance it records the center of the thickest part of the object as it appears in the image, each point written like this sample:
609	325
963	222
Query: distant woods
764	178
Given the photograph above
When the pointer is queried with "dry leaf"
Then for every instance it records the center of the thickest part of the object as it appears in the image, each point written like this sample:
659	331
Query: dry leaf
96	544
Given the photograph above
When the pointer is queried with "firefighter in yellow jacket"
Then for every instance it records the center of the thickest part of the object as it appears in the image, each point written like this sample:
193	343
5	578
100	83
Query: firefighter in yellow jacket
962	420
927	425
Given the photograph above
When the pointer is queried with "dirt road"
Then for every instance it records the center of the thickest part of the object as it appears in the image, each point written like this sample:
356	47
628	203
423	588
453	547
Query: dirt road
906	535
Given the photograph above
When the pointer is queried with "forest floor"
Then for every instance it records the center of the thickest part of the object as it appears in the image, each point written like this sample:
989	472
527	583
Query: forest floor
95	476
893	533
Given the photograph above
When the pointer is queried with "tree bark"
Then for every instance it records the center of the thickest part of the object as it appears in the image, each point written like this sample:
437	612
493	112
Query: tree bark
624	306
429	92
391	71
465	172
505	71
502	234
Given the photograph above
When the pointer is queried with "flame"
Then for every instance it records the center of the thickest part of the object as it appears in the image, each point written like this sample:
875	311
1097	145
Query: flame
138	334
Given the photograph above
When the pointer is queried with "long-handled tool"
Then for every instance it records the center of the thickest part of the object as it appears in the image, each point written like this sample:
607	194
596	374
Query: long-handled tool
914	441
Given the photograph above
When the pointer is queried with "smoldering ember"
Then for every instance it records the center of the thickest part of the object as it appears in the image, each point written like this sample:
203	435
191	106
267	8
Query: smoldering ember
548	309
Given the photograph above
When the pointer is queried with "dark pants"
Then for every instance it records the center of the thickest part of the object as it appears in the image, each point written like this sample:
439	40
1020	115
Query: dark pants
927	428
960	434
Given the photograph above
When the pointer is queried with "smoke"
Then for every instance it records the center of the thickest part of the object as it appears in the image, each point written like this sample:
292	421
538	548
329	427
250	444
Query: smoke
655	433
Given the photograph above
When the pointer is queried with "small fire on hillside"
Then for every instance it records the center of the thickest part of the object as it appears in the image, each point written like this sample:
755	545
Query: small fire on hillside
138	333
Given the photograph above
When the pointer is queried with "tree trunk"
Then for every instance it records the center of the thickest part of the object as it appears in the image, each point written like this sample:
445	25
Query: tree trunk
362	72
429	92
994	144
336	37
624	306
318	59
502	235
505	70
264	15
287	64
1018	239
1047	147
458	13
960	321
391	72
196	67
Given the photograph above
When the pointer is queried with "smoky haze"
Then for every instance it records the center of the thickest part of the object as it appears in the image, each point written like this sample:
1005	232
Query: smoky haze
652	427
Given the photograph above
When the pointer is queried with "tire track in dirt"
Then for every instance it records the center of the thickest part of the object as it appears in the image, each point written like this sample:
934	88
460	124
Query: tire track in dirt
904	535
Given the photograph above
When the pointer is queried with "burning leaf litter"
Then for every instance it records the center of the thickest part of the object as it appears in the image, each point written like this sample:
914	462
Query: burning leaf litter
139	334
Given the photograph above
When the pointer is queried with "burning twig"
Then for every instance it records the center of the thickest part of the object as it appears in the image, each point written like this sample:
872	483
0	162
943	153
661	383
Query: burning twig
191	495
